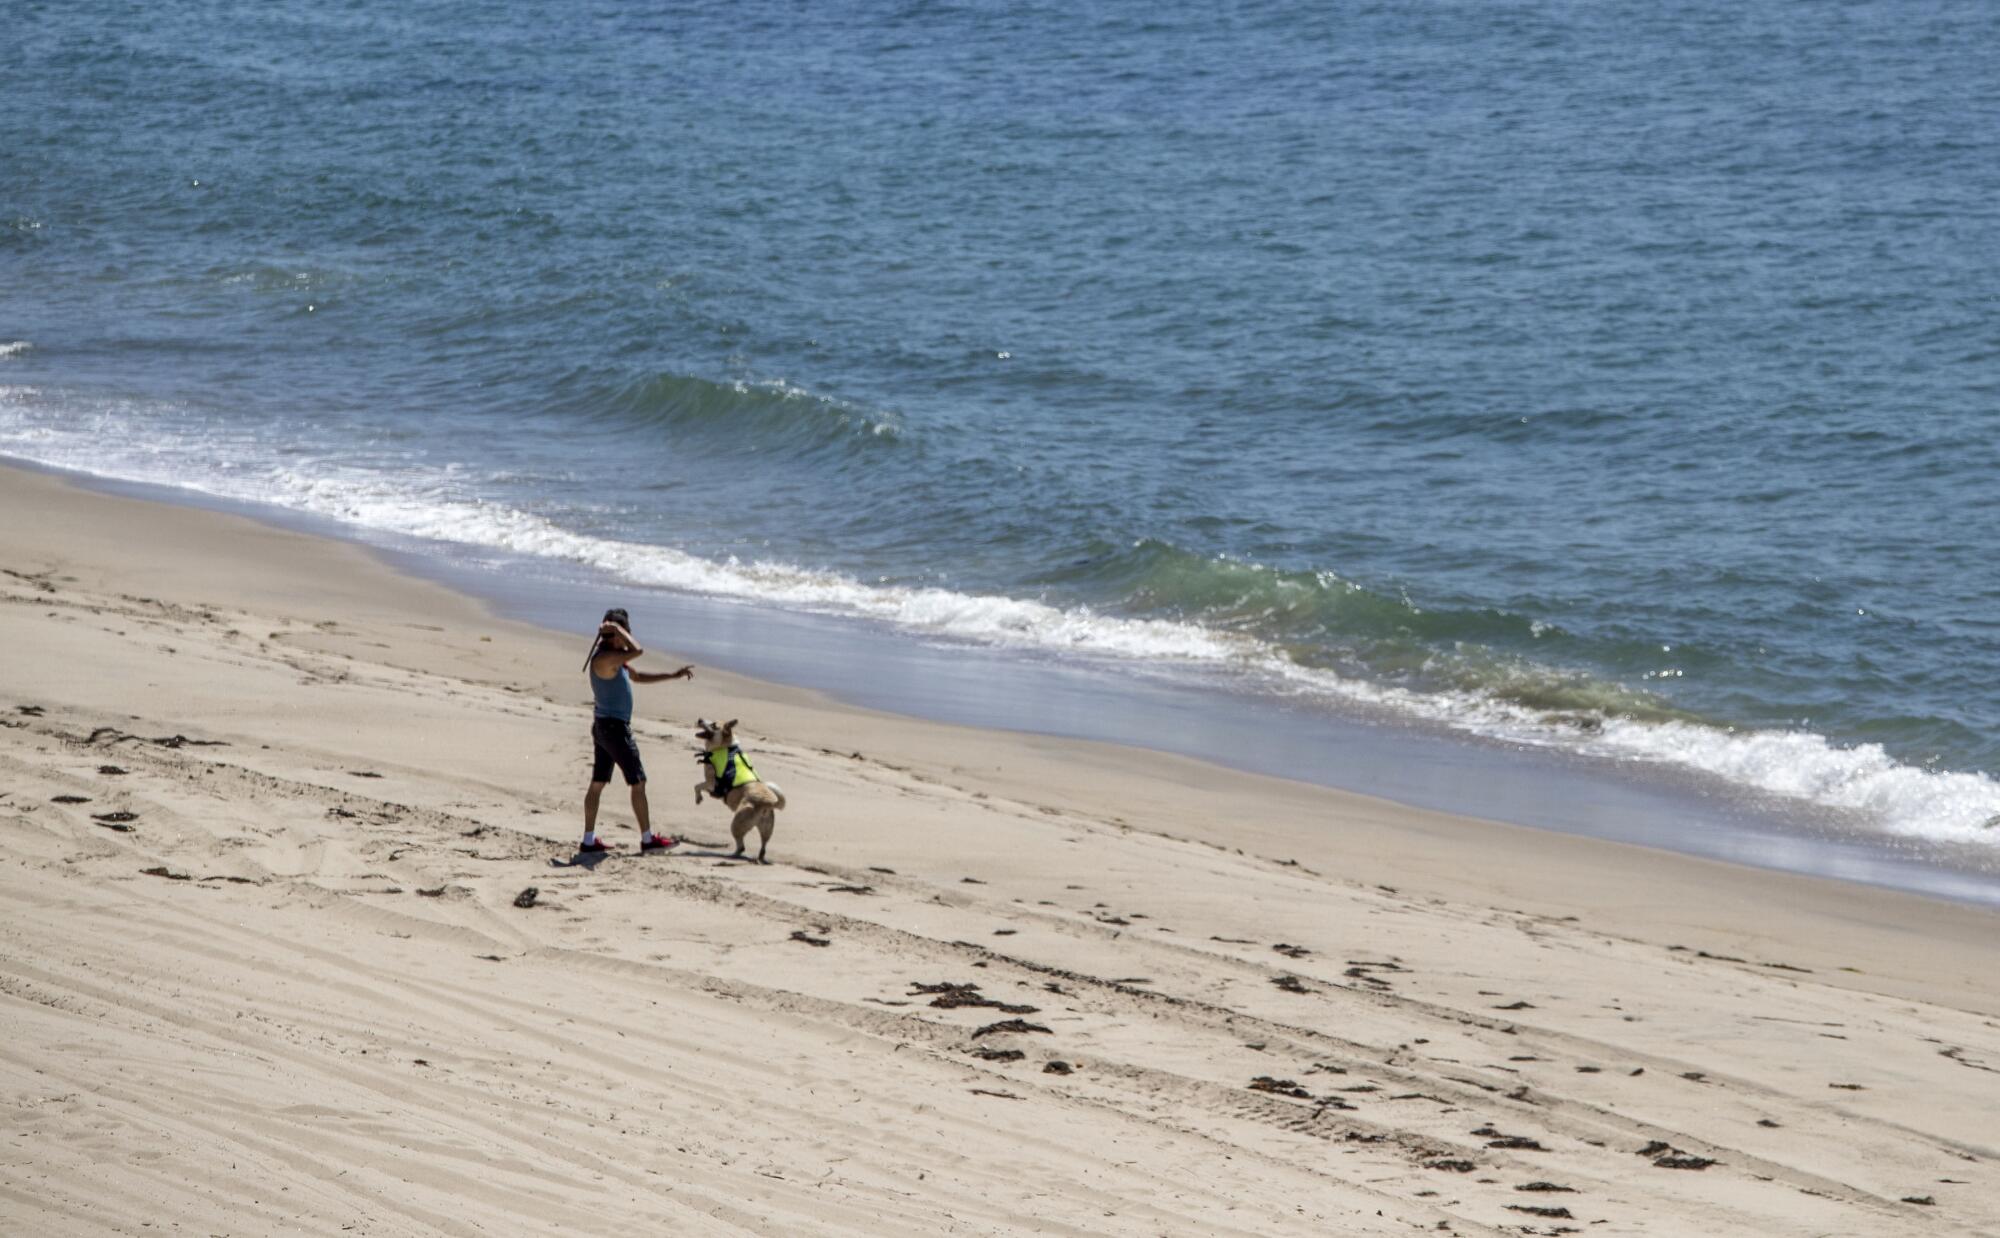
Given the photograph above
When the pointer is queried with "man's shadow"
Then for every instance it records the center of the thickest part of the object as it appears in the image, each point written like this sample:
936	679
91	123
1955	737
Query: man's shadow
690	849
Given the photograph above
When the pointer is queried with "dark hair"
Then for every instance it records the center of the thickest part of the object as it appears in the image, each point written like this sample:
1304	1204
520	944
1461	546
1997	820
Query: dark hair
615	615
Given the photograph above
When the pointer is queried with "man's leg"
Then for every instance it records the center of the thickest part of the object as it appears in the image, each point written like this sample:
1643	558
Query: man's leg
601	760
634	770
590	799
641	810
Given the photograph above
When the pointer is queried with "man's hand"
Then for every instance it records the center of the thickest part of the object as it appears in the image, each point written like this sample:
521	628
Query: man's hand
686	672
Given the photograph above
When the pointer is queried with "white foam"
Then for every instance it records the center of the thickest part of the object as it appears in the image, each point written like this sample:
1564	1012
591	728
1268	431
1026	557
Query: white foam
15	348
433	505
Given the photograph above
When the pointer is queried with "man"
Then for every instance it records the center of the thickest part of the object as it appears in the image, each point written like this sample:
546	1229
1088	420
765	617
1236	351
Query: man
611	683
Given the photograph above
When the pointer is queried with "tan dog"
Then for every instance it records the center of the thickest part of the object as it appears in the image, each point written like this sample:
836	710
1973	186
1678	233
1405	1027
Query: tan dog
726	774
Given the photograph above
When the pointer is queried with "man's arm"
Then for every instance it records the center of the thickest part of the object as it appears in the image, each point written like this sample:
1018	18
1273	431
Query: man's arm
618	649
686	672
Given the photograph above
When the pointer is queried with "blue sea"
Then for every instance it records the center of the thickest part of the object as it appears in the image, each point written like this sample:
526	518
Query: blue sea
1619	381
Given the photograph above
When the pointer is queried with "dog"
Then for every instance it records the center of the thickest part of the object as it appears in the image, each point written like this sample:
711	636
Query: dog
726	774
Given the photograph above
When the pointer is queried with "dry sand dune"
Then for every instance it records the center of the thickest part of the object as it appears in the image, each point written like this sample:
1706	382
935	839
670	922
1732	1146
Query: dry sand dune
268	814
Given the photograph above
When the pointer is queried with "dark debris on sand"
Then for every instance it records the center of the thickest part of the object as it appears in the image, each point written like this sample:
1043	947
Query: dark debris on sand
1518	1143
1364	972
112	735
809	939
1683	1162
1011	1025
1666	1156
527	897
950	996
1498	1140
182	741
1280	1087
1290	984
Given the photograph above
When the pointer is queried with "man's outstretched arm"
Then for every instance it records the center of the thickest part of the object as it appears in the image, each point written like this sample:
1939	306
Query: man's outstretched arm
686	672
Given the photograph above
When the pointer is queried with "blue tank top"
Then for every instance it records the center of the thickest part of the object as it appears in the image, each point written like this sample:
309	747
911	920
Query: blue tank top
614	695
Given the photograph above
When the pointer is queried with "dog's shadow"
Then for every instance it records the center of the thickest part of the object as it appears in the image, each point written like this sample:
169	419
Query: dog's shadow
728	856
708	849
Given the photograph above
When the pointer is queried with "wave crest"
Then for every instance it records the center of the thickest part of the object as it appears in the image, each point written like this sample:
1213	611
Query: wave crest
769	413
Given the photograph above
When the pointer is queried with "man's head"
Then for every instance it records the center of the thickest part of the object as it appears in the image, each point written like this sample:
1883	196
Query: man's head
604	638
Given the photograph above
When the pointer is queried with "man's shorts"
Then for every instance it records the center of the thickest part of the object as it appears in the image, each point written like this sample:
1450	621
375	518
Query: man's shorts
613	738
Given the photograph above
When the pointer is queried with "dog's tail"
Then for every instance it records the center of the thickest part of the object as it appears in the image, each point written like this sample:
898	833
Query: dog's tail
775	791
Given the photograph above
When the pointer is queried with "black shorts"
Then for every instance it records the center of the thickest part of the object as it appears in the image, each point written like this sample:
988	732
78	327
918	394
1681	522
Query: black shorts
615	747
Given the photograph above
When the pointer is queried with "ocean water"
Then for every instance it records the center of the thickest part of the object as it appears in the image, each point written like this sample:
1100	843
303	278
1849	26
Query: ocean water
1615	379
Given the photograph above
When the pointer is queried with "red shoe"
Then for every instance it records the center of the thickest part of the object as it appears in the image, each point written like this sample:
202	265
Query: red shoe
657	843
592	847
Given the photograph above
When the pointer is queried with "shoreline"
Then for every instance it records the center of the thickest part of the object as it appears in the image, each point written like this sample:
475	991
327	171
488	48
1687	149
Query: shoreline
394	763
886	670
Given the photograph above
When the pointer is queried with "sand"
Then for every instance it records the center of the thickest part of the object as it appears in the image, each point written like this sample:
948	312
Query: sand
266	809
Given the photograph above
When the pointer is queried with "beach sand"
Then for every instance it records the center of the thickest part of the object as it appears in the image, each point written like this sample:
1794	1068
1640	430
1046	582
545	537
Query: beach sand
267	806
